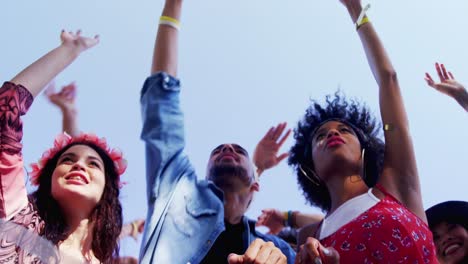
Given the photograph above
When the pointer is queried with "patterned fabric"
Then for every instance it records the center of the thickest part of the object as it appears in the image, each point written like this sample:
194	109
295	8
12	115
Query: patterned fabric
386	233
10	240
15	101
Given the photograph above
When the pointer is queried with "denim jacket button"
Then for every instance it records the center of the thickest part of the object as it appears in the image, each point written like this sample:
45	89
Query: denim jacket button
208	242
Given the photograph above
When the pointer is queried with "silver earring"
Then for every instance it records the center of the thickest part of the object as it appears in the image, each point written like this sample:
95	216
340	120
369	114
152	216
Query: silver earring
314	179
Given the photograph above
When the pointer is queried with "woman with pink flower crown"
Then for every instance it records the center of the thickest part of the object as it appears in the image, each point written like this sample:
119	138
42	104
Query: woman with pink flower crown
75	215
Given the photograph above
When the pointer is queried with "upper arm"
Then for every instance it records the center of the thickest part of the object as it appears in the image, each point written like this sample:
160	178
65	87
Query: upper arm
14	102
399	173
163	128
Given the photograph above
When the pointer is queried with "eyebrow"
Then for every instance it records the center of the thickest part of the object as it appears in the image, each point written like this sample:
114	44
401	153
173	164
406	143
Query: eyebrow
218	147
73	155
239	147
234	145
341	125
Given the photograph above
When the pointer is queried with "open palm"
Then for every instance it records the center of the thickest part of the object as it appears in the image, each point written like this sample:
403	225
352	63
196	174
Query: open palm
266	153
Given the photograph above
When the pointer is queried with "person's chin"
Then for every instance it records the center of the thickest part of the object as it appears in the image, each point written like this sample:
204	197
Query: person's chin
71	191
458	257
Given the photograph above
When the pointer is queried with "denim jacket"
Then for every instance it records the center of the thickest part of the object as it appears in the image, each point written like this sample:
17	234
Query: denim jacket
185	215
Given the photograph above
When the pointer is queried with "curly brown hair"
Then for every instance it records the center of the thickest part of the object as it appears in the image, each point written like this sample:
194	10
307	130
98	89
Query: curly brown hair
106	216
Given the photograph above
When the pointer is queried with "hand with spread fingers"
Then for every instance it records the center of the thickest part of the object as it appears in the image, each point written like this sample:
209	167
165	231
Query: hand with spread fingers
64	99
273	219
259	252
77	42
448	85
266	152
315	253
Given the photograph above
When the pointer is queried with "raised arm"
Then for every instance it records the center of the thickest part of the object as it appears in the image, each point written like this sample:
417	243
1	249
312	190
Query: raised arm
165	54
65	101
37	75
16	97
163	126
399	175
448	85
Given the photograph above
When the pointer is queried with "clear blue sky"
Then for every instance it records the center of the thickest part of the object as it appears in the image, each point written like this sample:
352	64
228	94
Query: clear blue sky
245	66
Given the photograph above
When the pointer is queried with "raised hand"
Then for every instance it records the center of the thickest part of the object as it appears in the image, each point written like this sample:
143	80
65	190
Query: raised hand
259	252
36	76
266	152
65	98
78	42
314	252
448	85
273	219
133	229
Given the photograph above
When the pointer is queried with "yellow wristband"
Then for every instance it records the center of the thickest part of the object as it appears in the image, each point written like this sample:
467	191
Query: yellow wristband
362	18
285	216
365	20
169	21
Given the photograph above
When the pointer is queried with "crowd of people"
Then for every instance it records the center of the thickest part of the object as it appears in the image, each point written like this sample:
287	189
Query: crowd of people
360	172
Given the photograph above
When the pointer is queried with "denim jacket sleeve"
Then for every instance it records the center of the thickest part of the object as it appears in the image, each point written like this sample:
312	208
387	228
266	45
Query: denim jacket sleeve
163	132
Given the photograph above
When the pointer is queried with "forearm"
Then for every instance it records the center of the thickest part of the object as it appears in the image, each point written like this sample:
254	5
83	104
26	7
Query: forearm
70	122
37	75
462	99
391	102
302	219
165	56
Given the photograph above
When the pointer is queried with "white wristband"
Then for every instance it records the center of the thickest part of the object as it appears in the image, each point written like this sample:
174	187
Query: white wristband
361	15
169	23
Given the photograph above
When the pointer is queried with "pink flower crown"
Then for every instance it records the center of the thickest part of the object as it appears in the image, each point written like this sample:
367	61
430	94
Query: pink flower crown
63	140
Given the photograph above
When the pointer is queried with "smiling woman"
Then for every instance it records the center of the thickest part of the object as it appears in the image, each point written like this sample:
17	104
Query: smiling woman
448	222
76	208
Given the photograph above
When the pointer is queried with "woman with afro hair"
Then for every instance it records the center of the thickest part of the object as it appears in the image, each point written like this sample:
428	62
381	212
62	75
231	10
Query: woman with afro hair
368	189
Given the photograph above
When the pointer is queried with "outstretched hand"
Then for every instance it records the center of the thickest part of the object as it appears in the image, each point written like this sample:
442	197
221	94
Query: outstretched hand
448	85
273	219
78	42
65	98
266	152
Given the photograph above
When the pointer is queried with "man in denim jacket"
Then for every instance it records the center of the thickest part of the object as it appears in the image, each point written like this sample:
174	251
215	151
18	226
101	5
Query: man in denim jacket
191	221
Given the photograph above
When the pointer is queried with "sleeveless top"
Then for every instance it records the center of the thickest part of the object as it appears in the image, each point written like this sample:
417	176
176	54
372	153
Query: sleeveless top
385	233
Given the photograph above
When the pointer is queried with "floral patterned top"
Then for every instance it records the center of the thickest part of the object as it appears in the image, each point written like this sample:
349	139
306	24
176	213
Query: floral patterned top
20	223
386	233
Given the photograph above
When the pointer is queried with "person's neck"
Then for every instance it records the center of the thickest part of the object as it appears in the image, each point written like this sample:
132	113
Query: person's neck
342	189
80	236
235	205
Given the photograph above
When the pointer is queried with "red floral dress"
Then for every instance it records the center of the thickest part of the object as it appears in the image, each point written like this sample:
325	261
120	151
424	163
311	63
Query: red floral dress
386	233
